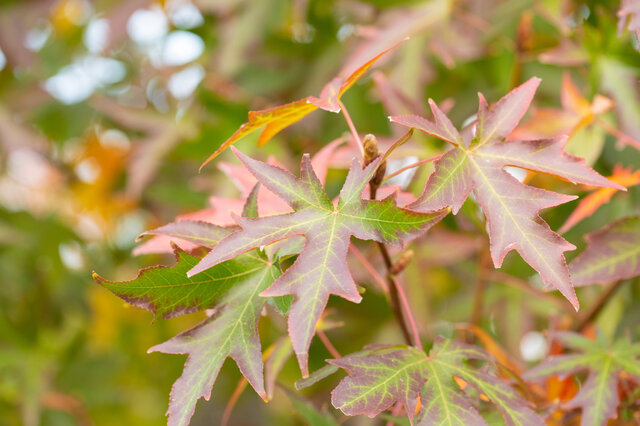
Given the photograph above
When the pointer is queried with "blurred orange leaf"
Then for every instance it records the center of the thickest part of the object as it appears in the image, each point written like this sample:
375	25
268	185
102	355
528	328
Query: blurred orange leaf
576	113
277	118
592	202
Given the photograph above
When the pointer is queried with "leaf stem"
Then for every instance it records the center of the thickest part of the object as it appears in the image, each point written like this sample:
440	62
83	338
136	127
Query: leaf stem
407	310
484	265
327	344
411	166
602	300
397	296
626	139
354	132
401	141
237	392
370	269
394	294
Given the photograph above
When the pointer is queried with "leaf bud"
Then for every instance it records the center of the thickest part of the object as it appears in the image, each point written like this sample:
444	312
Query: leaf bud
402	262
370	146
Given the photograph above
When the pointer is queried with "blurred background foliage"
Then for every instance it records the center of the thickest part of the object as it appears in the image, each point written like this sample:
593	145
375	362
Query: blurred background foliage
108	107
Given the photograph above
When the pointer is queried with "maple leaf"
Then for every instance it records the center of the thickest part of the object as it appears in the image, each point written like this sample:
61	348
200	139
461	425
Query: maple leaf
222	209
277	118
162	243
321	268
231	287
384	376
598	396
476	163
592	202
167	291
613	253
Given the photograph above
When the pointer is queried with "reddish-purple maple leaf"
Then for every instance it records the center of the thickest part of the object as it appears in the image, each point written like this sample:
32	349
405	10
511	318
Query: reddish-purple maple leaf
476	163
613	254
380	377
321	268
222	209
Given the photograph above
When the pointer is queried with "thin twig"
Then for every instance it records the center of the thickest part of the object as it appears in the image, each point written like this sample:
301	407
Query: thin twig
626	139
407	309
401	141
393	294
591	314
411	166
240	387
370	269
354	132
399	302
484	266
327	344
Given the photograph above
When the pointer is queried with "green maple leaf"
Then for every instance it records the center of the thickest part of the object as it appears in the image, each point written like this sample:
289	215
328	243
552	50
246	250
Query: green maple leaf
233	288
167	291
476	163
321	268
613	254
381	377
598	396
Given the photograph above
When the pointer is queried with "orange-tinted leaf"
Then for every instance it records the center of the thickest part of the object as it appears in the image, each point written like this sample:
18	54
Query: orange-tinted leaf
572	99
494	348
277	118
589	204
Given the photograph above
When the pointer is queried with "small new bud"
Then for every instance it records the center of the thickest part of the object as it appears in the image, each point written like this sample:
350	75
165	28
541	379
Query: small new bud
402	262
370	146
